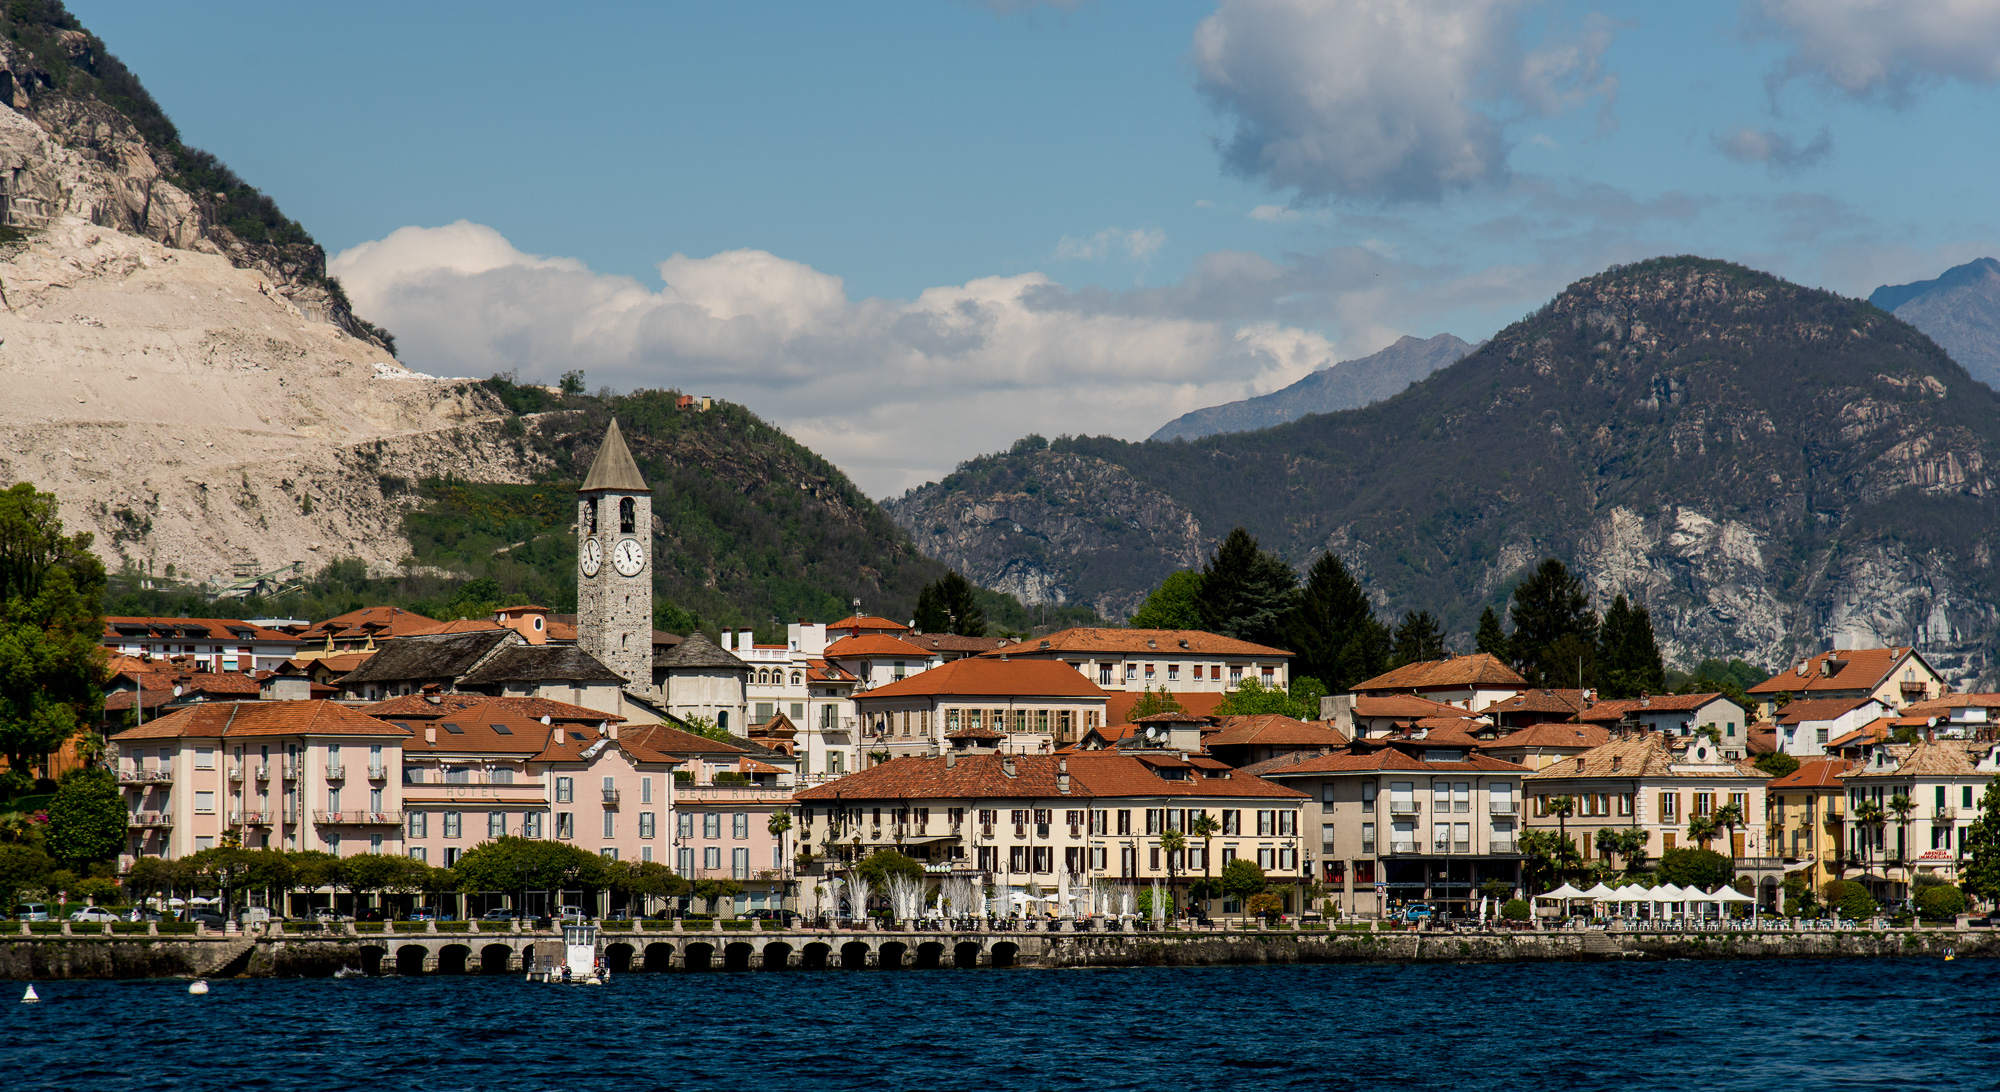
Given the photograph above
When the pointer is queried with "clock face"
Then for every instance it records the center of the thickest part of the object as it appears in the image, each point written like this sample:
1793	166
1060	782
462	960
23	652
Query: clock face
628	557
591	556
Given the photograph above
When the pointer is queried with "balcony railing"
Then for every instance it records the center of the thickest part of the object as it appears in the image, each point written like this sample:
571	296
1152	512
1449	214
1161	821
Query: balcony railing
1402	847
1403	807
290	769
1945	815
359	818
235	773
333	773
1326	849
250	818
611	796
263	773
1502	807
144	777
377	773
1502	845
1368	849
151	819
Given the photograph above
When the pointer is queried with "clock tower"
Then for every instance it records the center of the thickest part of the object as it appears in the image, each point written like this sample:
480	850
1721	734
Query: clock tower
614	558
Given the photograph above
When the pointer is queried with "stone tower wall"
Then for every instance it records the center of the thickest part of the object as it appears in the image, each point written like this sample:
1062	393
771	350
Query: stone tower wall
614	613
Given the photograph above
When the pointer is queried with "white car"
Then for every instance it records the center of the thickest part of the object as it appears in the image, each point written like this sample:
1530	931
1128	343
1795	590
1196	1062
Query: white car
93	914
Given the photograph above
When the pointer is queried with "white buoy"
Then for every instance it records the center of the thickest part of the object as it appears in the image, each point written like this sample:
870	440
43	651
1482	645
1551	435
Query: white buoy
198	987
30	997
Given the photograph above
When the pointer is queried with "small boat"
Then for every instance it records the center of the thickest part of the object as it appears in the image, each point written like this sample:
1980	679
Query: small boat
579	964
1950	954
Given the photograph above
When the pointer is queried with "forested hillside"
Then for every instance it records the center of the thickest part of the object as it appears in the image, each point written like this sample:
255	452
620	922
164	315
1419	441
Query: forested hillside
1764	465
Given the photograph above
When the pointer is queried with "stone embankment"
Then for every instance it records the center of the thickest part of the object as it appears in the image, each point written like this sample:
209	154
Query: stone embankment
664	948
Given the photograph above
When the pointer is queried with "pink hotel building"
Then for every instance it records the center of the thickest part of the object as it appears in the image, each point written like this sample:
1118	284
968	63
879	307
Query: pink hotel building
433	775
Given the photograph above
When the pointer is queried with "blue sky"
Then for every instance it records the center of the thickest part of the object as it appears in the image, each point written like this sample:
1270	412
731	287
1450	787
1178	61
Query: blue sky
911	232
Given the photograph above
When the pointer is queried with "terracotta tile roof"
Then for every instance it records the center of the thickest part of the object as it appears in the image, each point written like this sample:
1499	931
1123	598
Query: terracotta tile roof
1865	669
1388	758
1165	643
1173	716
217	719
920	776
150	697
1401	707
1760	739
457	625
562	631
1941	707
1580	736
874	644
568	748
1811	709
977	676
1615	709
952	642
1944	758
752	766
663	738
344	662
821	671
476	731
1118	704
1275	730
1875	731
386	621
1566	702
1478	669
1646	755
198	629
1110	773
422	707
868	621
1818	773
981	732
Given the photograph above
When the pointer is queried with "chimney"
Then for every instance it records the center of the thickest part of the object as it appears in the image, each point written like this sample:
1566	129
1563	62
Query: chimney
1062	776
611	728
430	735
950	759
1579	764
1617	762
555	739
1007	765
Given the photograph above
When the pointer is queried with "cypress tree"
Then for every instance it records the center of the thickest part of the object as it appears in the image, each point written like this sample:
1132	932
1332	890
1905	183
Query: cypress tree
1419	637
1333	630
1555	631
1245	592
1628	657
931	617
950	604
1491	640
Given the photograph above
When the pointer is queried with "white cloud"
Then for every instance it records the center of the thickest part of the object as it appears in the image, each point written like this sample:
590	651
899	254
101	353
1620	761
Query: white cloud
1888	48
1138	244
1273	214
1386	100
1782	154
894	391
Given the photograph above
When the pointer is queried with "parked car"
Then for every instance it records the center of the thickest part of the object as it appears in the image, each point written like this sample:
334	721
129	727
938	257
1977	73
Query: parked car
93	914
574	913
620	915
326	914
140	913
785	916
422	913
498	913
253	915
1418	911
204	917
31	911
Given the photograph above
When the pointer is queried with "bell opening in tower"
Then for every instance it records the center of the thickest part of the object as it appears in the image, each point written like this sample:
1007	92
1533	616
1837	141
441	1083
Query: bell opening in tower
593	516
626	515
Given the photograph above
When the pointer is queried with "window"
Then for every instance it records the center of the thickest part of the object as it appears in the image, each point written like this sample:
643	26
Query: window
451	824
684	824
207	841
711	857
204	802
1288	858
646	824
627	515
1124	821
204	758
711	824
333	799
496	824
1017	858
610	824
798	707
375	801
1461	796
1267	823
1266	858
1042	859
1232	823
1288	824
419	825
565	825
1441	797
1235	674
684	862
1368	789
1461	837
1326	792
1704	803
1173	672
1625	803
1441	837
608	853
1670	807
739	825
739	864
1368	838
531	825
565	790
1402	798
645	790
419	853
1326	837
1966	797
1131	672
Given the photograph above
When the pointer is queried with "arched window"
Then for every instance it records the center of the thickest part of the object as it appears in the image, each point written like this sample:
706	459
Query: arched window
796	678
593	516
626	517
722	719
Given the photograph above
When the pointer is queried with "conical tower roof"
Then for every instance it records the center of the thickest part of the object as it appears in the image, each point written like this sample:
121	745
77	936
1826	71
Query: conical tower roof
614	468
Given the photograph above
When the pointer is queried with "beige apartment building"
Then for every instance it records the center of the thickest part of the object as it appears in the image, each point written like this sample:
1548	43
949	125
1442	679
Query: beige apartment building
1940	783
1036	705
1197	667
1808	814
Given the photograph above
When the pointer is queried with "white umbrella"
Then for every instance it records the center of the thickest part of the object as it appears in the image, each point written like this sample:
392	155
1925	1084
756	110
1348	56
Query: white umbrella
1600	892
1730	894
1563	892
177	901
1667	892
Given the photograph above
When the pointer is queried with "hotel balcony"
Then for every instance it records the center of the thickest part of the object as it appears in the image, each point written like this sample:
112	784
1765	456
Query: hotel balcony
263	773
610	796
333	773
1404	807
235	773
1404	847
1502	807
378	773
250	818
145	777
360	818
1503	846
151	819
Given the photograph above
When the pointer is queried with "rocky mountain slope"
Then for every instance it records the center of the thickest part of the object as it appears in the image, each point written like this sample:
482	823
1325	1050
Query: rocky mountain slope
1765	465
1960	310
1349	384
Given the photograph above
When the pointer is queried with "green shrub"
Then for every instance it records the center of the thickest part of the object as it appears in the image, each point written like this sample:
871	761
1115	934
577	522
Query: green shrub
1517	910
1940	903
1856	903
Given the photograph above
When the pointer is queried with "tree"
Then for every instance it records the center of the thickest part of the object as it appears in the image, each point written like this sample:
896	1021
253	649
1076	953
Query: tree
1629	844
1777	763
1245	592
1419	638
1628	656
1554	627
1332	629
24	866
1490	639
1517	910
571	383
878	866
1173	843
1205	827
1242	879
1153	701
1940	903
1549	855
149	876
1687	867
225	869
1173	605
1727	818
1562	807
1902	806
950	604
366	873
87	819
52	669
1252	698
1868	817
1981	872
1702	829
704	727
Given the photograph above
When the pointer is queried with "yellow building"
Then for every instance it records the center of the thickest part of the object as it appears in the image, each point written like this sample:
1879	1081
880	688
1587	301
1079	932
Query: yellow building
1807	808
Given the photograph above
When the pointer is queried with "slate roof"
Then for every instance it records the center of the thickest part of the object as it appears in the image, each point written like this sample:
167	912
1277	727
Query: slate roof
214	719
696	650
1140	642
422	658
613	467
540	663
1478	669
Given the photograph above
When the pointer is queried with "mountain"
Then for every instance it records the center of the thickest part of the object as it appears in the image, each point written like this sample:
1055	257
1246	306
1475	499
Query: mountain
181	372
1349	384
1960	310
1767	466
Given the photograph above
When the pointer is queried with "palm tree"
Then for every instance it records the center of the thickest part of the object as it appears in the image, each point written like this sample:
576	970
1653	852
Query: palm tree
1902	805
1868	815
1562	807
1174	843
1727	817
1701	830
1205	827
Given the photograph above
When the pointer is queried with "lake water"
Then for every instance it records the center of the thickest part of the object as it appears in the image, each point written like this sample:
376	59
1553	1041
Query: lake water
1901	1024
